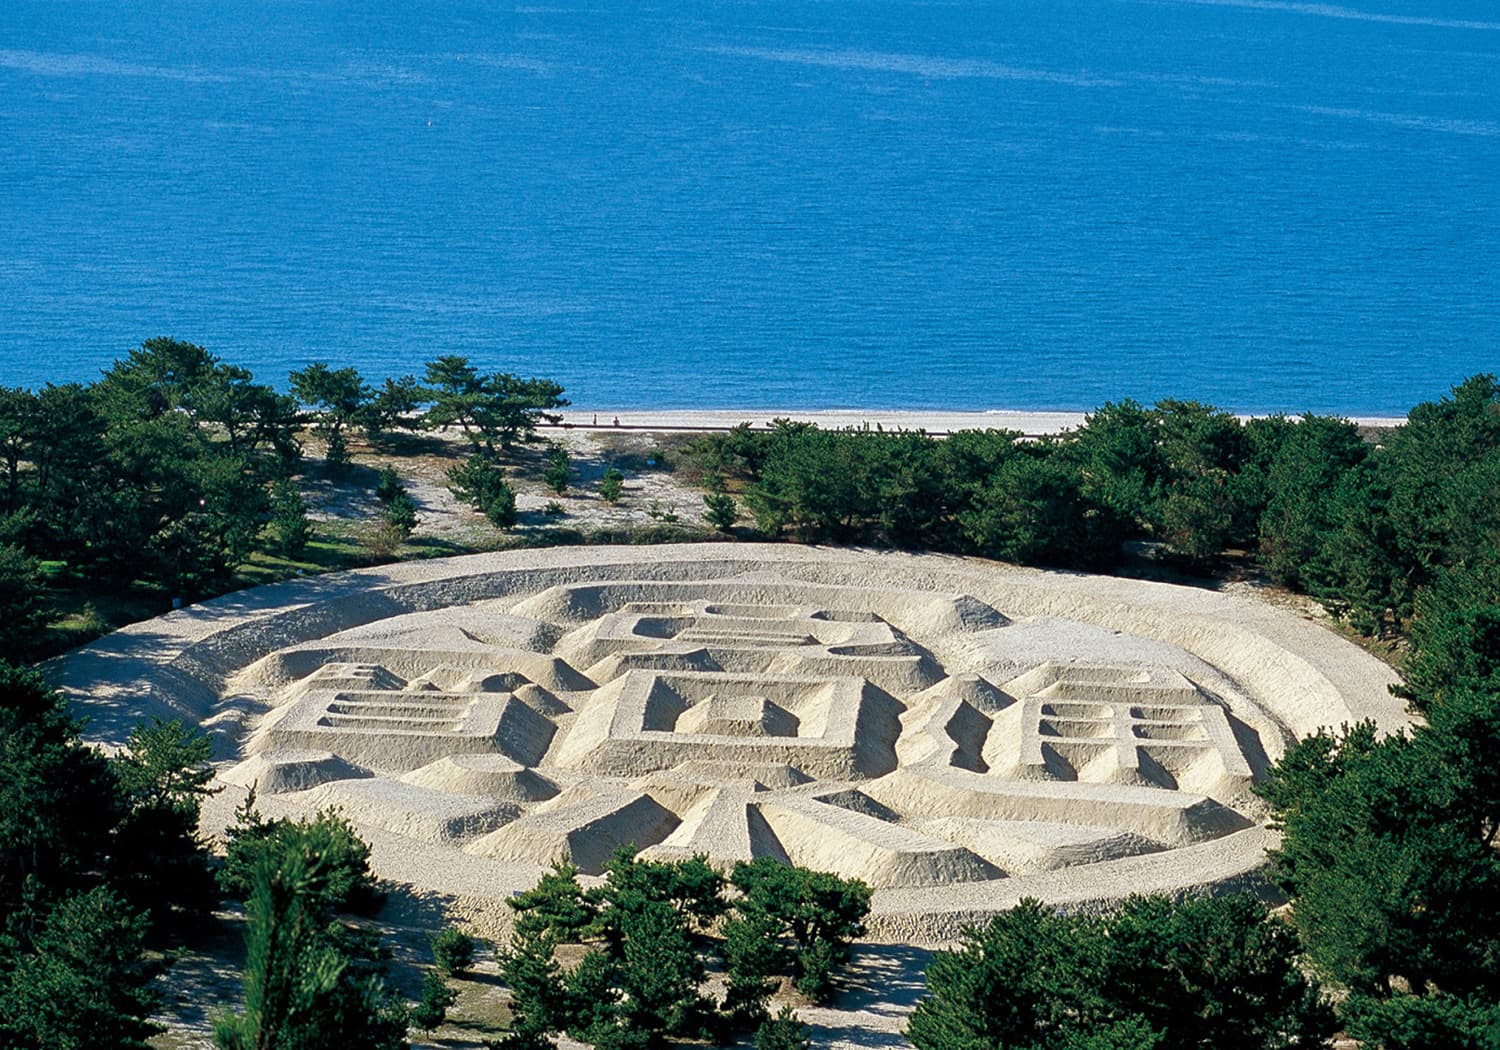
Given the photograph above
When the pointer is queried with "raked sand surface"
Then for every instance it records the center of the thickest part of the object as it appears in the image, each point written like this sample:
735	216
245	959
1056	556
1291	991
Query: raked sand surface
955	732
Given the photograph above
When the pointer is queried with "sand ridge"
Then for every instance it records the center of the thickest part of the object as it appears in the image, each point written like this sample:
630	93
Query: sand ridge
957	733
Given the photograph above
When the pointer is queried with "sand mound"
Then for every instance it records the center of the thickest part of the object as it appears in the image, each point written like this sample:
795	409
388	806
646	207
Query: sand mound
491	776
586	832
280	772
723	824
953	731
1019	846
415	812
831	838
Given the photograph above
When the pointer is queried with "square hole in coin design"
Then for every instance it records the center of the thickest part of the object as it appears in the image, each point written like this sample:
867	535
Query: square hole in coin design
837	727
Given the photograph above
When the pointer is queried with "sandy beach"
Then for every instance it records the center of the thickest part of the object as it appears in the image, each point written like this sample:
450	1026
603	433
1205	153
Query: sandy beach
932	421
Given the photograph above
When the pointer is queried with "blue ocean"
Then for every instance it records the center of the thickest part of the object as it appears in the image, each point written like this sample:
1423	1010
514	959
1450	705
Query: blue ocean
966	204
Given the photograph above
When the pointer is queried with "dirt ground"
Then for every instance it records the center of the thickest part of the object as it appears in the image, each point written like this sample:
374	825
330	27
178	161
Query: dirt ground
656	489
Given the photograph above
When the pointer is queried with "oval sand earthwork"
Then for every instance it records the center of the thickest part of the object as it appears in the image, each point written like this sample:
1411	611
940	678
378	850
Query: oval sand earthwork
957	733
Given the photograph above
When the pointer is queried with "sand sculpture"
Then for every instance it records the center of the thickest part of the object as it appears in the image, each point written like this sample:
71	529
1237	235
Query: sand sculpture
958	734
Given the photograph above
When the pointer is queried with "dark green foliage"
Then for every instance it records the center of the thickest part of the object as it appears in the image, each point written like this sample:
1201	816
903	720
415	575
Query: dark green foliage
1211	972
87	842
1463	747
1130	1033
338	396
557	471
167	764
693	887
592	997
1033	511
159	862
1302	480
1455	637
336	451
539	1000
437	997
1196	517
754	959
1181	472
18	427
720	510
398	510
1389	844
1026	978
168	378
1425	1022
480	482
1119	463
1358	572
289	519
453	950
83	983
785	1031
821	912
1201	975
159	470
59	801
821	484
24	605
1442	473
393	407
660	970
488	408
476	480
342	879
1424	501
1387	852
556	906
1364	528
400	513
650	964
500	507
309	985
611	486
1200	450
651	927
388	484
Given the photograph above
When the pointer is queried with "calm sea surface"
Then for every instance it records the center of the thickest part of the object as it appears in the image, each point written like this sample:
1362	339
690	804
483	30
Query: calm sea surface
868	203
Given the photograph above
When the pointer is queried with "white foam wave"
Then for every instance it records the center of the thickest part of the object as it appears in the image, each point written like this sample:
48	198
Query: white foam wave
1452	125
1351	13
511	61
51	63
933	66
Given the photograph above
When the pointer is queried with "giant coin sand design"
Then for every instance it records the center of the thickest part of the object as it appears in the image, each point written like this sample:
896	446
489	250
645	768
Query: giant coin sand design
956	733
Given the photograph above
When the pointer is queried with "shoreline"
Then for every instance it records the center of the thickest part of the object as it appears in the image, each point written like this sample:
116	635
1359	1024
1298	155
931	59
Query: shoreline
1029	423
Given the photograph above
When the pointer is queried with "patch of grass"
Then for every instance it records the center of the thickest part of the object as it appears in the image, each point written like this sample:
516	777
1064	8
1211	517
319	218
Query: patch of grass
481	1012
85	612
638	535
330	550
664	454
437	547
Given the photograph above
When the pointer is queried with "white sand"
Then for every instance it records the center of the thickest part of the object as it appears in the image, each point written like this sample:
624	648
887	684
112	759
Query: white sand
985	732
932	421
851	698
